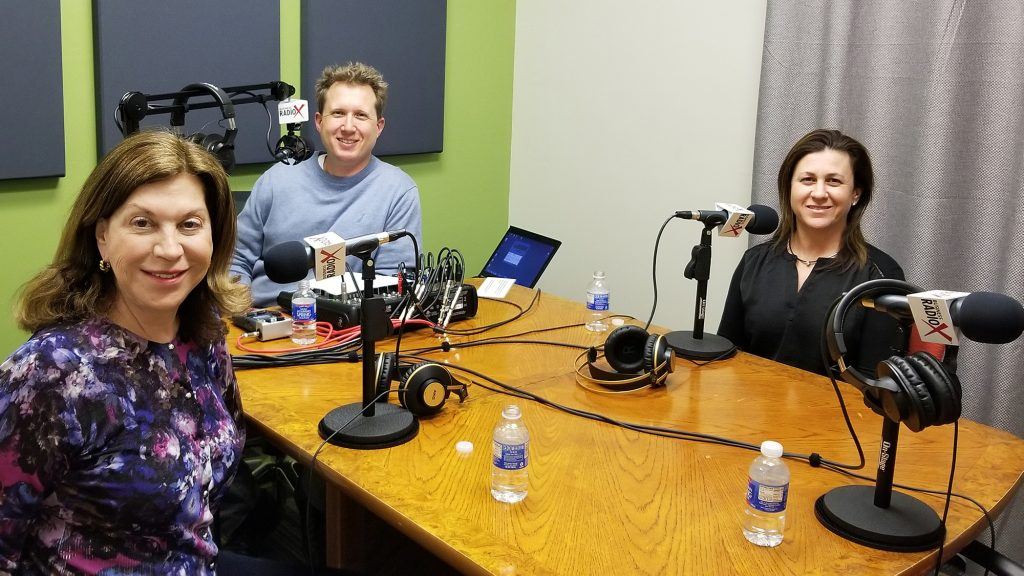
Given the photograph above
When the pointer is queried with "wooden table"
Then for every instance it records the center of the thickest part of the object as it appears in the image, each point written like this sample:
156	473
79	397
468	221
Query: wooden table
602	499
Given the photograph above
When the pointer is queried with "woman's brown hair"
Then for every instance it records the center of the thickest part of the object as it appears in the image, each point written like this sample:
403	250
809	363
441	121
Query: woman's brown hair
72	287
854	248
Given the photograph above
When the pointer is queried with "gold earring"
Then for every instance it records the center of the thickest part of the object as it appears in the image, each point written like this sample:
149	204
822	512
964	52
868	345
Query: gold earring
104	265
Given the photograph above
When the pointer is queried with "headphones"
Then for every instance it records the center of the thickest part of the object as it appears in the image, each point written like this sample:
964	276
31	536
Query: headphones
292	148
915	389
637	359
423	387
223	147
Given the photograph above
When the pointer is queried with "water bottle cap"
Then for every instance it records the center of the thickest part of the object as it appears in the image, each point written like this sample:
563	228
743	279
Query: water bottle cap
599	274
511	412
303	285
771	449
464	447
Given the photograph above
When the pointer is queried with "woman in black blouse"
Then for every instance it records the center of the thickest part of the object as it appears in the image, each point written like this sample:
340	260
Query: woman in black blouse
781	291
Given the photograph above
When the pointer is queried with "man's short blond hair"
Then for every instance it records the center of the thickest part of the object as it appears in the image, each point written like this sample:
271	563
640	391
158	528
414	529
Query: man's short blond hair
357	74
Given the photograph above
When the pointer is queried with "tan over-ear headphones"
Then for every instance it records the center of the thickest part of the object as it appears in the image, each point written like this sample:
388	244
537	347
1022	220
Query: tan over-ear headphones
915	389
423	387
637	359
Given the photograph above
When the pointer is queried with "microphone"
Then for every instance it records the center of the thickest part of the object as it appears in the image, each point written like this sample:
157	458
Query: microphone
290	261
292	148
756	219
986	317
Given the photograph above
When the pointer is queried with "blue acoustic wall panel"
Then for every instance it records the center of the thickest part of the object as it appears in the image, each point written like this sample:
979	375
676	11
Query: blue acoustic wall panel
155	47
32	123
403	39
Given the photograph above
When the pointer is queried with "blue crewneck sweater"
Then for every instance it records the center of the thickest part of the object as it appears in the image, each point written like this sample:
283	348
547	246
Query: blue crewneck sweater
292	202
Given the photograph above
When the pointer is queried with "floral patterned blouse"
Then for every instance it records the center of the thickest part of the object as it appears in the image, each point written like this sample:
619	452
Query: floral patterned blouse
113	452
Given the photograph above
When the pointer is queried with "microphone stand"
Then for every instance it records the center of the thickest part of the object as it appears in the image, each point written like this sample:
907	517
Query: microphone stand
369	425
696	344
878	517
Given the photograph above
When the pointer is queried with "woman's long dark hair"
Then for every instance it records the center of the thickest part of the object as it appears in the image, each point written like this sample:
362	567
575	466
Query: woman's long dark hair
854	249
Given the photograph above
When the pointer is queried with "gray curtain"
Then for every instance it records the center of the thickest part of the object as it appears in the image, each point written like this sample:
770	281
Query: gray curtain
935	90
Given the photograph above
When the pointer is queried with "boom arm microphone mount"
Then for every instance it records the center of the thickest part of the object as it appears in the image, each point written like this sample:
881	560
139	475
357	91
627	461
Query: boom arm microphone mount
136	106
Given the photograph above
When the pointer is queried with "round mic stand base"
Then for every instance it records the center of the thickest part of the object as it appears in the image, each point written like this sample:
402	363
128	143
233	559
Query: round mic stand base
709	347
907	525
389	426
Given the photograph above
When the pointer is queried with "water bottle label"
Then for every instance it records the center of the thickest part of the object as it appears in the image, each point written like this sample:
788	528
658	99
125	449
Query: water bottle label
304	311
510	456
597	301
766	498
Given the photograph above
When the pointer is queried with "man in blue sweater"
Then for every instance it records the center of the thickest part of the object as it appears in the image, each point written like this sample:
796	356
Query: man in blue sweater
344	189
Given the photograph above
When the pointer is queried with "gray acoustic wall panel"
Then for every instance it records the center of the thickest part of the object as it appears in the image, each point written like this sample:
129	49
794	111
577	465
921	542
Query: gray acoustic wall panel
405	41
33	122
155	47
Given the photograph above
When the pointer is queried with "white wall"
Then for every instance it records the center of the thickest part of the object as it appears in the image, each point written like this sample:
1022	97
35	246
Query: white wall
622	114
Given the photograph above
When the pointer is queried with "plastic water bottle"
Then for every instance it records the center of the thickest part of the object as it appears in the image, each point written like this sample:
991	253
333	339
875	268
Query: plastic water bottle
509	477
304	314
597	304
767	491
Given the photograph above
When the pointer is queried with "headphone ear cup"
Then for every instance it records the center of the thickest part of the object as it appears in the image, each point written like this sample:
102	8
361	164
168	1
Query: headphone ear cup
224	151
944	386
385	374
624	348
424	388
658	359
918	406
211	142
214	144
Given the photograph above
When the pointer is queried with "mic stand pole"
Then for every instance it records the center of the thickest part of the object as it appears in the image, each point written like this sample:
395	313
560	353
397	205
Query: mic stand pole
696	344
880	518
373	425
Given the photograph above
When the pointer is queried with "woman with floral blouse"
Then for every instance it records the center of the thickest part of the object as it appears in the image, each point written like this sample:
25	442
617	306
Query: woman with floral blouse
120	421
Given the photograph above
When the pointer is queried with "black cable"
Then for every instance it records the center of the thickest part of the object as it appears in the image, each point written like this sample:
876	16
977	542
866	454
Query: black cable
117	121
345	352
654	430
812	459
270	117
822	345
411	295
654	271
724	355
949	491
482	329
309	481
506	341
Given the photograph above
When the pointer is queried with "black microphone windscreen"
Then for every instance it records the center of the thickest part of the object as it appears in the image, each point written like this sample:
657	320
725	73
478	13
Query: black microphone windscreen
990	318
766	219
287	262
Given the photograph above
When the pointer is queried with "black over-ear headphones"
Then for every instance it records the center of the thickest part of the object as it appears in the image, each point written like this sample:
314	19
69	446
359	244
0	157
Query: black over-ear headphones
223	147
637	359
423	387
915	389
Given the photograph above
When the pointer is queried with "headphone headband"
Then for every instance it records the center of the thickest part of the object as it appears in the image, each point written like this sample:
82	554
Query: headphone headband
227	108
837	340
657	363
223	147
